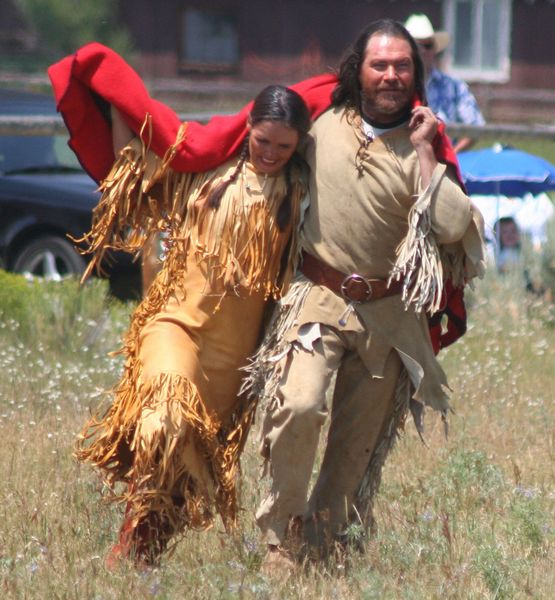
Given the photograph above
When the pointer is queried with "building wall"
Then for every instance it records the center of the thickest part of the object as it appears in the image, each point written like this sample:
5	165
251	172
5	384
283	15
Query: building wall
281	38
286	40
529	96
533	46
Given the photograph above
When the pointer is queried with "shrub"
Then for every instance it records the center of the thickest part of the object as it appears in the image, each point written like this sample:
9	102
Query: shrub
63	317
64	25
15	298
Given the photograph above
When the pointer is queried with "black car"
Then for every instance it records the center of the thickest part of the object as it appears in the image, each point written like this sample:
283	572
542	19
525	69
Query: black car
44	196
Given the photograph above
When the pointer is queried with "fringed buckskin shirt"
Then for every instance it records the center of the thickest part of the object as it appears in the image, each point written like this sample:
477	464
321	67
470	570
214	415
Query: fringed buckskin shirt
381	225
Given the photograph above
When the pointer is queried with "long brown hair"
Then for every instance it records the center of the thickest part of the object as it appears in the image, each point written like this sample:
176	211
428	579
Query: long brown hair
347	91
280	104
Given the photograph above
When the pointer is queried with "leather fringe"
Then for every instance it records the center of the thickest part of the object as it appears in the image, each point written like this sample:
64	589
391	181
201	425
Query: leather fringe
155	437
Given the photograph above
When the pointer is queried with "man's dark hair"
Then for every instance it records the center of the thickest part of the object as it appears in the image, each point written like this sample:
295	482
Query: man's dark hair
347	92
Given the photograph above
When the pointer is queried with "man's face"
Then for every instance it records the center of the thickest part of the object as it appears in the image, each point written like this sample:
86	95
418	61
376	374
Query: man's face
386	78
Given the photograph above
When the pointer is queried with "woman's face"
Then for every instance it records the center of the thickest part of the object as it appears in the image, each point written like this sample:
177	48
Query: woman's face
271	145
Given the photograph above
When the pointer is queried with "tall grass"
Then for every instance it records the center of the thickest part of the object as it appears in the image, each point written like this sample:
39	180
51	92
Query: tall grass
470	516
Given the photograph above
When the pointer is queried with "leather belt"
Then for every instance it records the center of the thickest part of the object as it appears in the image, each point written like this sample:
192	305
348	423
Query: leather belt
353	287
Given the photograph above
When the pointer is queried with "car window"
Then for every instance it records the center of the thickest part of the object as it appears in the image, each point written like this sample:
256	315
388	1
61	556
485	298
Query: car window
20	154
64	154
28	153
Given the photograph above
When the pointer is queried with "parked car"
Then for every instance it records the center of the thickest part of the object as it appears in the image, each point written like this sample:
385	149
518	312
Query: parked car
44	196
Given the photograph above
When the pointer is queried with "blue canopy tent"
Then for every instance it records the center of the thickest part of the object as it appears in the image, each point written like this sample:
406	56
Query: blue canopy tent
503	172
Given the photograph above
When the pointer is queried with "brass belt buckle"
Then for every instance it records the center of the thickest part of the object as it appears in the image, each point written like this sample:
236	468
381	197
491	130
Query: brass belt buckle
355	278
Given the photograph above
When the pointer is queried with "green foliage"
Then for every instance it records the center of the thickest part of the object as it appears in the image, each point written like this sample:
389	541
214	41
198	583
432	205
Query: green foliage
64	25
15	295
468	480
63	317
529	521
495	571
547	260
539	146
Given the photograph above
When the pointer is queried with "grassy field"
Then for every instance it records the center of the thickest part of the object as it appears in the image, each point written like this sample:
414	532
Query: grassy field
470	516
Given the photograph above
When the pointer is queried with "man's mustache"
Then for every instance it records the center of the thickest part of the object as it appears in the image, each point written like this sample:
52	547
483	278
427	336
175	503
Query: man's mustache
391	88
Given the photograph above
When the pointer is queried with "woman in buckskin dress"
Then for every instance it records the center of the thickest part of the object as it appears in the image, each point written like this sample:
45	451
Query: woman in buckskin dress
177	424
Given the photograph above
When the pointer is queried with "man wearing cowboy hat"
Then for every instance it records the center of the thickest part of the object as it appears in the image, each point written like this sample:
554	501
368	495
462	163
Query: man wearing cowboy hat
449	98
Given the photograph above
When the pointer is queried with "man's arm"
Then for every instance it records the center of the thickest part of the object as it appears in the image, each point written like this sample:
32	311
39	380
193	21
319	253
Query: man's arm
468	112
424	125
463	144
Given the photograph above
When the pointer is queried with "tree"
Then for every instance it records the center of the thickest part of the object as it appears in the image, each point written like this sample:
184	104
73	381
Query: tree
62	26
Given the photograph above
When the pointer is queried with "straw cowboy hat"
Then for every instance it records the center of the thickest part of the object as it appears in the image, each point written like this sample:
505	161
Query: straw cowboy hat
420	28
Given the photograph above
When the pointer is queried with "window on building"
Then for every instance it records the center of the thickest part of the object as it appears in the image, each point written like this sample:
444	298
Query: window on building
480	39
208	41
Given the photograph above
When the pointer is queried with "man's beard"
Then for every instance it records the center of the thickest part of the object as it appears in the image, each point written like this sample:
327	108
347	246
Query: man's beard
385	105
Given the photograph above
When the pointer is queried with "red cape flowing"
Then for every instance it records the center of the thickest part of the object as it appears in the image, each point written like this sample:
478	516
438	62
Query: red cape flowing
97	70
95	74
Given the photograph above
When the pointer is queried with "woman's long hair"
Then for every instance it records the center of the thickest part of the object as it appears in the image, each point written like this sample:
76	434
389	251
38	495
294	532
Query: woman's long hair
282	105
347	92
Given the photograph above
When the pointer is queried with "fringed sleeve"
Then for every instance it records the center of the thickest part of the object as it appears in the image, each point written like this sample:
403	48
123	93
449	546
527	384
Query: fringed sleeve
444	241
418	262
141	194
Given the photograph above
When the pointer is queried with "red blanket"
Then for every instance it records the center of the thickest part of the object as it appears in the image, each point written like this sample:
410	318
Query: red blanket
96	75
95	69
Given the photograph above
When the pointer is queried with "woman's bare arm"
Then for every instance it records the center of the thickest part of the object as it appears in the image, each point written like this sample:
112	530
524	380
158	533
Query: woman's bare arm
121	132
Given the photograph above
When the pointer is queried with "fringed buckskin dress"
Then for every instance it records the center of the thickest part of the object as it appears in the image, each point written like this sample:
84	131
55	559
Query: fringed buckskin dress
177	424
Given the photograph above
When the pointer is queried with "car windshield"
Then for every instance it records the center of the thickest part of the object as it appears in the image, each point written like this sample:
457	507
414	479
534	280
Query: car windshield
33	153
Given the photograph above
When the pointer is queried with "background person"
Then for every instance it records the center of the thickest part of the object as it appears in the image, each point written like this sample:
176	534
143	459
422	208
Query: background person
509	249
449	97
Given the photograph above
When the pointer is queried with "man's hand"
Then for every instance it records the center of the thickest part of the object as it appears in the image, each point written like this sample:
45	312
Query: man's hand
424	126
